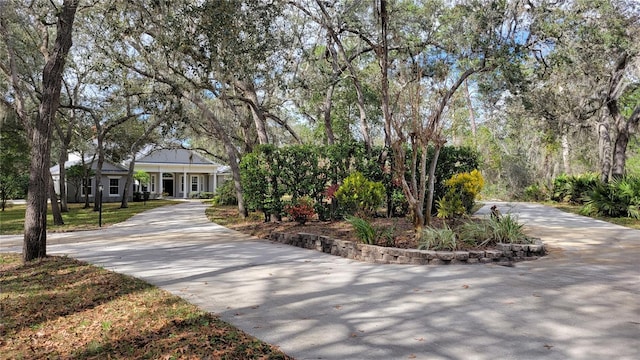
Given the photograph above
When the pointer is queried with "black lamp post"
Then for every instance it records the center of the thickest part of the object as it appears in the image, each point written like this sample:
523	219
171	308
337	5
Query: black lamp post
100	188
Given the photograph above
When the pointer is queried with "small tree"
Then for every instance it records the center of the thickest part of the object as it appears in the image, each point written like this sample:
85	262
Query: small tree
142	177
79	176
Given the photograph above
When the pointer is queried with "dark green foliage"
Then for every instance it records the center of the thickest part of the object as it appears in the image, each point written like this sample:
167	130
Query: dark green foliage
452	160
618	198
534	193
259	172
75	176
399	203
573	189
270	172
364	230
14	160
225	194
370	234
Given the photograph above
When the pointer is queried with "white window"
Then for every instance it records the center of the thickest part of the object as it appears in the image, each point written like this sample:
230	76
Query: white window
114	187
153	183
194	184
89	185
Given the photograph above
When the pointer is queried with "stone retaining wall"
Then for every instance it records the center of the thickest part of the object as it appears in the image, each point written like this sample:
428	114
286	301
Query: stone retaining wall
504	253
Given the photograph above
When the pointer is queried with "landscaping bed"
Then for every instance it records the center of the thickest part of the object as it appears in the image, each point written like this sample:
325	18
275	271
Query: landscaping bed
340	238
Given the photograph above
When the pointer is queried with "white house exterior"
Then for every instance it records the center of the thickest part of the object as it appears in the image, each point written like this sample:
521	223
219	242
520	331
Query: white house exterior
180	173
174	173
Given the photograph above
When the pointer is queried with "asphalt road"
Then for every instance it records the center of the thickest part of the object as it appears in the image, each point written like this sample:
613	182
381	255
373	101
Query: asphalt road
582	301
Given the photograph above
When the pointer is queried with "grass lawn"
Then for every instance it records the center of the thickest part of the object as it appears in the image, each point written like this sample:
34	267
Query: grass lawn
12	219
58	307
575	209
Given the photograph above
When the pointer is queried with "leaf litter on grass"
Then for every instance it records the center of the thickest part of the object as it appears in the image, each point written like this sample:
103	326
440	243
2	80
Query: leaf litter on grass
58	307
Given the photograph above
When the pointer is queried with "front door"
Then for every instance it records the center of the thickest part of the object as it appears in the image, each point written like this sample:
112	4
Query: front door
167	186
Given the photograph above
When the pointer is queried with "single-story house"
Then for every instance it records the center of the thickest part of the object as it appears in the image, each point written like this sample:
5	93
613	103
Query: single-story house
181	173
173	173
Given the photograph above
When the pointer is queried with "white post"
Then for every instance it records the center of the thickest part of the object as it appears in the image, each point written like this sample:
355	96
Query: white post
184	185
160	184
215	181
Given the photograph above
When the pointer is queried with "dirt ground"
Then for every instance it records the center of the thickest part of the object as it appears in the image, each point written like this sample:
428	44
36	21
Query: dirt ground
403	234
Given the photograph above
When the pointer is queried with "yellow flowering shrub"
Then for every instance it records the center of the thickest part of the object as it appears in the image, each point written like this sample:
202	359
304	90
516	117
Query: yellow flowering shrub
462	190
469	182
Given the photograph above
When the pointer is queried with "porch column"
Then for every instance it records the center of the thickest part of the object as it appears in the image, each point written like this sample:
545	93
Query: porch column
215	182
184	186
160	185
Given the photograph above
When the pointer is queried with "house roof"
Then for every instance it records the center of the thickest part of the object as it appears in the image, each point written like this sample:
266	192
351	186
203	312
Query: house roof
175	156
107	167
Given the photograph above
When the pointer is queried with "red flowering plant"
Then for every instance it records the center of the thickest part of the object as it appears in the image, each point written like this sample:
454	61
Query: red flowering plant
330	191
300	210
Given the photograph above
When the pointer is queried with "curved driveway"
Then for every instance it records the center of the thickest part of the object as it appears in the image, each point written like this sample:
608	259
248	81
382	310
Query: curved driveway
580	302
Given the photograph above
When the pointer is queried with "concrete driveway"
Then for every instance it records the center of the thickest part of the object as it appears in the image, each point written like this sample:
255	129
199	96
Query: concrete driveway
580	302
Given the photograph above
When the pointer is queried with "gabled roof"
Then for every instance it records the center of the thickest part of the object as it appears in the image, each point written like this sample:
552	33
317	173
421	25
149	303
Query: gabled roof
174	156
107	167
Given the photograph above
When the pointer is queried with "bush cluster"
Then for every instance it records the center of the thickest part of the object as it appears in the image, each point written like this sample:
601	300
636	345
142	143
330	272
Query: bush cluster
358	194
618	198
300	210
270	173
474	234
462	190
225	194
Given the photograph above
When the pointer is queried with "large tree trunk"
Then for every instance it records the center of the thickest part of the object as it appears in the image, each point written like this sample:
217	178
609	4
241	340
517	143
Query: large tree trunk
124	203
35	222
625	127
232	152
62	158
604	150
98	175
383	59
566	154
259	119
432	182
472	113
55	207
326	114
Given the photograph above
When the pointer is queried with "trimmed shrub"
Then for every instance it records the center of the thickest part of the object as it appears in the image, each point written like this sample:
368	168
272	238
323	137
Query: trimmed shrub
462	190
300	210
225	194
358	194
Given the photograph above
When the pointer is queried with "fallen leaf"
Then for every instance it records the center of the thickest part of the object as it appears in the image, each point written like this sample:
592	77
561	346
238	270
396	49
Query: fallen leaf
419	339
338	307
465	286
412	356
548	346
